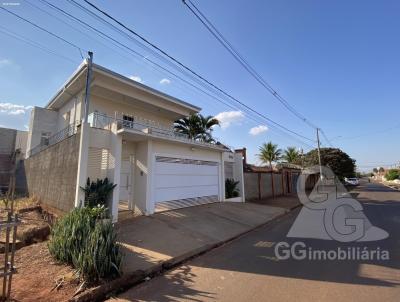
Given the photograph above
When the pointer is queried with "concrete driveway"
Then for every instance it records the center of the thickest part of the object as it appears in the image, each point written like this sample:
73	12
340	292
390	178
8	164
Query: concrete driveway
247	269
149	241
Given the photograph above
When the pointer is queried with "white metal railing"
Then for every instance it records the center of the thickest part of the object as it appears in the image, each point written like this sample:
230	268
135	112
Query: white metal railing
54	139
102	121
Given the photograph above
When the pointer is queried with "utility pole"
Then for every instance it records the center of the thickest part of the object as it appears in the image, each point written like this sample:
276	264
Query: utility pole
84	139
87	88
319	156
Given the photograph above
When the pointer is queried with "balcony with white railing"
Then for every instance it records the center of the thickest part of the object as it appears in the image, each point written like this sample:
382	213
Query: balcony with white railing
142	126
54	139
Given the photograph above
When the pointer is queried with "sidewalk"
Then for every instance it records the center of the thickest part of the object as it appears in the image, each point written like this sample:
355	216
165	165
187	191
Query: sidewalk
287	202
154	243
149	241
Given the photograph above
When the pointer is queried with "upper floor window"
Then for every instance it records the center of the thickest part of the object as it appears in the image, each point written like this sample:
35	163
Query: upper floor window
127	121
44	138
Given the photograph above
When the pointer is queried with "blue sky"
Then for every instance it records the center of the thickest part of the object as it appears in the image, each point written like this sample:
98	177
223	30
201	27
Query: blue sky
335	61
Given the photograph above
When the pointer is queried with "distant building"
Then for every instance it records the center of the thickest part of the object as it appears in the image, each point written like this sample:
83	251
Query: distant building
11	140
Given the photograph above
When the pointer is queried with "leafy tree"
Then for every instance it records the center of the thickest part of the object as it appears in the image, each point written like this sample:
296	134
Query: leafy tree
291	155
392	174
197	126
340	162
269	153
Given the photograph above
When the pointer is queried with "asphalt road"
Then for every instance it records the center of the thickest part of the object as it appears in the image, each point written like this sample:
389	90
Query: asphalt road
247	269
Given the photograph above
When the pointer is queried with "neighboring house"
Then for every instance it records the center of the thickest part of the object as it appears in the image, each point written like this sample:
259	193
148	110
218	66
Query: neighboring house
130	139
12	150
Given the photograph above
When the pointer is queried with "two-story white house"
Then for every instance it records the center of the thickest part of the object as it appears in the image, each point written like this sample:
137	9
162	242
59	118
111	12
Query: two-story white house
129	137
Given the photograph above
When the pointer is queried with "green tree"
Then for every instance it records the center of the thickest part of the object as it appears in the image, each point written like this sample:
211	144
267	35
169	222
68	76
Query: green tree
340	162
392	174
269	153
291	155
197	126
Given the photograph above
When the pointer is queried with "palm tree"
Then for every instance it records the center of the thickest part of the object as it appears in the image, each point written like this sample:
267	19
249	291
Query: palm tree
269	153
291	155
197	126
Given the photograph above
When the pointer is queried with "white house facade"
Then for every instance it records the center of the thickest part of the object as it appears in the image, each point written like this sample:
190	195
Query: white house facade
129	137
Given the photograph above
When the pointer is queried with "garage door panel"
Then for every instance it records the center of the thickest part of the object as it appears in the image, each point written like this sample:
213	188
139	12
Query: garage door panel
166	194
175	181
181	182
185	169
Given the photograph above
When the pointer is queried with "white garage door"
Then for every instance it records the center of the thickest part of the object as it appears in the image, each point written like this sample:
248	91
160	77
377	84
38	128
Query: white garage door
183	182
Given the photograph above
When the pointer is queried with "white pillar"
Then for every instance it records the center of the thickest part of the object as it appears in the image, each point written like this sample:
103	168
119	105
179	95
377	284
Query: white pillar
239	175
222	178
150	207
116	152
81	176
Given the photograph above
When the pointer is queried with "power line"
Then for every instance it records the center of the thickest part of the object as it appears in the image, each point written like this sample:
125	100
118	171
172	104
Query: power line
124	47
191	70
26	40
45	30
242	61
121	45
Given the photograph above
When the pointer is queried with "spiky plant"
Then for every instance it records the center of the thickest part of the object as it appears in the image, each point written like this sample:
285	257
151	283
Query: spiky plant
97	192
231	189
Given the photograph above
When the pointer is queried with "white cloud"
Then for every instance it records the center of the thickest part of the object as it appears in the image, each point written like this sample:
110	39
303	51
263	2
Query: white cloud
258	130
165	82
136	78
5	62
228	118
14	109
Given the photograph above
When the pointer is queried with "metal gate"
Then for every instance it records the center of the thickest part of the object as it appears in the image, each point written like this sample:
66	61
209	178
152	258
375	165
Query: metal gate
8	228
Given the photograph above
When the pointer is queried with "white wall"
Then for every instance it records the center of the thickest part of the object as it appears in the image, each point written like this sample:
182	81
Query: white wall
185	151
73	106
110	108
42	120
140	176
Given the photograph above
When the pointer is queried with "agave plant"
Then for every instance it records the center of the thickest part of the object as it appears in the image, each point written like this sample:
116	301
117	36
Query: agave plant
231	189
87	241
96	193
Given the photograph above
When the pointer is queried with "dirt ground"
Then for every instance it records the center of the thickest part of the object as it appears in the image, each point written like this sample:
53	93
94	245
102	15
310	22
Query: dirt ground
37	274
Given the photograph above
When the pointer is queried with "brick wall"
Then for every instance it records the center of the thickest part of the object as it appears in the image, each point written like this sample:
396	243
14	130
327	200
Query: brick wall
51	174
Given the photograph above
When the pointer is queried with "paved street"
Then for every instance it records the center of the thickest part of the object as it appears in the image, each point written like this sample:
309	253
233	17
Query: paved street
247	269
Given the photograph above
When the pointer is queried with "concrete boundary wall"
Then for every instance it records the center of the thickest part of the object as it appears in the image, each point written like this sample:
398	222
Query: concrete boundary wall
259	185
51	175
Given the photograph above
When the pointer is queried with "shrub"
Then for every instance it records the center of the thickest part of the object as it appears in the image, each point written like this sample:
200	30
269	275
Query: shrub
86	238
392	174
100	257
231	189
96	193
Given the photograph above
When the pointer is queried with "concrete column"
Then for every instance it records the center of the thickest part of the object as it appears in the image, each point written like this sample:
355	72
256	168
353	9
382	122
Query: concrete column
222	178
239	175
81	176
116	153
150	206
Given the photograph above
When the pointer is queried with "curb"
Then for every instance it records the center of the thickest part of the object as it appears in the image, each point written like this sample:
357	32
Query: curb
396	189
103	291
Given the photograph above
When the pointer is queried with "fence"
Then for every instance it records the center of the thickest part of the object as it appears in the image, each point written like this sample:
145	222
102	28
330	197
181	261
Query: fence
262	185
54	139
10	228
